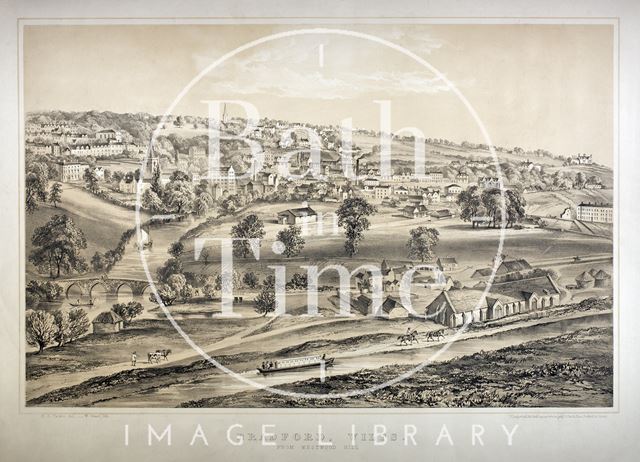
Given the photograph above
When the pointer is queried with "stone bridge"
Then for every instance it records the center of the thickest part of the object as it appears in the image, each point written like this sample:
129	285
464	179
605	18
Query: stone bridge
111	286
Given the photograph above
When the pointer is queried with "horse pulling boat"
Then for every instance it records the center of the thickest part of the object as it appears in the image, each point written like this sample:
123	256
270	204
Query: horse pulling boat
290	364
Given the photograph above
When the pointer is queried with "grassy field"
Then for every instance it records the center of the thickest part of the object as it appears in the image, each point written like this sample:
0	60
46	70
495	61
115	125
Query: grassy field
572	370
101	222
553	203
142	336
471	247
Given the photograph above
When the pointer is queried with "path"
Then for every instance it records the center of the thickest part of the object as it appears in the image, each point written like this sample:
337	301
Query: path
41	386
47	383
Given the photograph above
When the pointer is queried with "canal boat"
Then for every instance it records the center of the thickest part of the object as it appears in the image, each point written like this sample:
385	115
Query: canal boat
289	364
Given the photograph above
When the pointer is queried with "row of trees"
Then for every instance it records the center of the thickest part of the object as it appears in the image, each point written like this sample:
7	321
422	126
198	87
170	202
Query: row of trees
179	195
37	188
488	203
43	328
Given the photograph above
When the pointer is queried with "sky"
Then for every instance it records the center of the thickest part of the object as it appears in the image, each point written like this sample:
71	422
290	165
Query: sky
533	86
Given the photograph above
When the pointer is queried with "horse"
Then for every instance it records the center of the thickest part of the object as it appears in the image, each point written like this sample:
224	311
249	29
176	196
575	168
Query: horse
410	337
435	335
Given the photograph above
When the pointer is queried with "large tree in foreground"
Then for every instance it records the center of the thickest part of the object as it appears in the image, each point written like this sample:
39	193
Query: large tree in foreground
421	243
40	329
57	247
352	216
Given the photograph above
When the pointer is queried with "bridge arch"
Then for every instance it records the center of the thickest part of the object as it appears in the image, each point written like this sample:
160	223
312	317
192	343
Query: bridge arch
77	285
98	284
120	285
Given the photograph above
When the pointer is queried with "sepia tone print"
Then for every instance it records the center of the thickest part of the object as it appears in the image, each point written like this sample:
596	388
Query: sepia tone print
340	216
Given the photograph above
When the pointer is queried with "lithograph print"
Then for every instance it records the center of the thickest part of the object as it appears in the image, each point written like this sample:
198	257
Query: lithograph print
337	215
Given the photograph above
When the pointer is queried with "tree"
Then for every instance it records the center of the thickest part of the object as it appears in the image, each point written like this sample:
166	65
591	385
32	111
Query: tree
170	267
177	282
47	290
98	262
166	293
55	194
298	281
470	203
62	327
209	287
205	256
57	246
39	329
493	203
187	293
515	206
78	323
250	227
128	311
352	216
179	196
176	249
265	302
292	239
156	184
229	205
250	280
35	186
421	242
203	203
91	179
151	201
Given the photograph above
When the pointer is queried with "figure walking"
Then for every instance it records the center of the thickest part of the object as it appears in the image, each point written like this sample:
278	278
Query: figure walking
134	358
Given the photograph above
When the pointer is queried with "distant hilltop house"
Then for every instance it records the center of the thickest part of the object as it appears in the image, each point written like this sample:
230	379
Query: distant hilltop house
597	213
297	216
107	322
593	185
506	268
454	308
529	165
71	171
583	159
